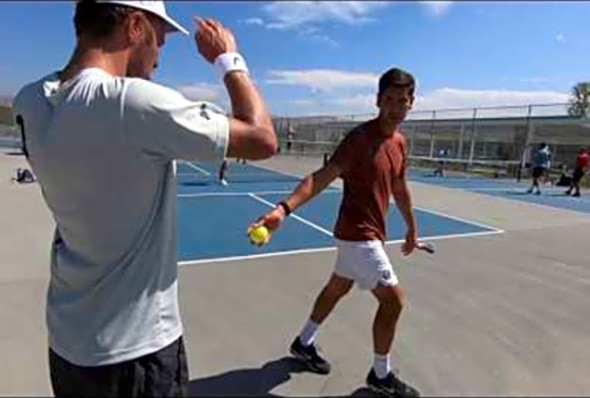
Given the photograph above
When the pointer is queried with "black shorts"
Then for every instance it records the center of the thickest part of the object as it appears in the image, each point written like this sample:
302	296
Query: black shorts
161	374
578	175
539	171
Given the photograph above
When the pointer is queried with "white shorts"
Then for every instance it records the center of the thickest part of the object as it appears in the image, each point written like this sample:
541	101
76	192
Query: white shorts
364	262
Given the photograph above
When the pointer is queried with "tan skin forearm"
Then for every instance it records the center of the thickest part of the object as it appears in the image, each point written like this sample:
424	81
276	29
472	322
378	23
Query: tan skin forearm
251	119
246	102
311	185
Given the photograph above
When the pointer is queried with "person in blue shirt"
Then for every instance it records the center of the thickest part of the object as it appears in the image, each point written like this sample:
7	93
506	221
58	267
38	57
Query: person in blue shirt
541	167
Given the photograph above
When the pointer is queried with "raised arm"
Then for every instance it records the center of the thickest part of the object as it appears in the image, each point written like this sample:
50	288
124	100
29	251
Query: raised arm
252	134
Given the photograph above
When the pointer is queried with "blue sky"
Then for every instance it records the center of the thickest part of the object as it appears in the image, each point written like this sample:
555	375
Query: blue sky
312	58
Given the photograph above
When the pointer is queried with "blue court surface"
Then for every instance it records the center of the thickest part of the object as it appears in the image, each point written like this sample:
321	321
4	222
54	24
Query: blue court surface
551	196
213	218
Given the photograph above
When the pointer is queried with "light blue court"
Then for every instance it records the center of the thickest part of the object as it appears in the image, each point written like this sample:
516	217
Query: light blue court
507	188
212	219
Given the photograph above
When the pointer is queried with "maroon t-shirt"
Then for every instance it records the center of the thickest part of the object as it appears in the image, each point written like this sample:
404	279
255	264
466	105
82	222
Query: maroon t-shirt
370	162
582	161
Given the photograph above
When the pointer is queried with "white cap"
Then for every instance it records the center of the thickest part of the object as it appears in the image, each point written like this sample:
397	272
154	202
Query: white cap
155	7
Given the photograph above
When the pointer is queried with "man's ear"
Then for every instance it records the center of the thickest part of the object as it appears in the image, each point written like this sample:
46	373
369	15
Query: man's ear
378	101
134	27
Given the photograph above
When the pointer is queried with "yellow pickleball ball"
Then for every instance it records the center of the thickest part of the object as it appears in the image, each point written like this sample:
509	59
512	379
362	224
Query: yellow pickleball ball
259	235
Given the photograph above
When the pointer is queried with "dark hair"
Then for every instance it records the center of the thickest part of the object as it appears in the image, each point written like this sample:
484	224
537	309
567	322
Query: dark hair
543	144
98	20
397	78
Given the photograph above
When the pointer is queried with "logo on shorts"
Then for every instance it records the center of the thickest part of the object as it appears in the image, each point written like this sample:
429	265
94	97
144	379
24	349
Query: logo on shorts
386	277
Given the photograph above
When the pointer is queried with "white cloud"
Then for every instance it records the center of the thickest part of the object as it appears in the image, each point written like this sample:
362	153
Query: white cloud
461	100
202	91
304	16
448	98
303	102
536	79
560	38
437	8
323	79
360	102
289	15
254	21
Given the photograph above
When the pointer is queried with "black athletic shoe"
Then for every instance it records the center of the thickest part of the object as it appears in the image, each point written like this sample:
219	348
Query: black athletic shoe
576	195
310	356
390	386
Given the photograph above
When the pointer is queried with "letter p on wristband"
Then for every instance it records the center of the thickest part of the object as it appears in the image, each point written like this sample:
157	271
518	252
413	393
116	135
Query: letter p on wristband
229	62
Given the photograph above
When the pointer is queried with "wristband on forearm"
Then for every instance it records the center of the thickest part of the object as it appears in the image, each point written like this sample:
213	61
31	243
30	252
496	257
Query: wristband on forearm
229	62
285	207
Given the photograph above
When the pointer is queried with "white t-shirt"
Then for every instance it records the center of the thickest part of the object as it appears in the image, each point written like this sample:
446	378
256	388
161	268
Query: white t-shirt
103	150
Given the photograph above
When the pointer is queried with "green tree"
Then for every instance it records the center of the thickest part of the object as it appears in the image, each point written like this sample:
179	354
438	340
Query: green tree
579	104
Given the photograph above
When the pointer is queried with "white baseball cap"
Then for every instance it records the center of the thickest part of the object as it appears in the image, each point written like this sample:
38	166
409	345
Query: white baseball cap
155	7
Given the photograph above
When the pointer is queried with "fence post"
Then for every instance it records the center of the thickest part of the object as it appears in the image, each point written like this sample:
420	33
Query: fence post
527	142
432	134
412	133
460	149
473	136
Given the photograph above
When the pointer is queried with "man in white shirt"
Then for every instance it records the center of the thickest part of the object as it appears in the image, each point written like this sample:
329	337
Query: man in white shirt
112	306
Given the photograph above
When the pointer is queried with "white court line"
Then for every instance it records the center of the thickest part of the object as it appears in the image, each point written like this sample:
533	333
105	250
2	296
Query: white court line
197	168
323	249
517	189
529	203
278	172
492	230
437	213
295	216
209	194
338	189
463	220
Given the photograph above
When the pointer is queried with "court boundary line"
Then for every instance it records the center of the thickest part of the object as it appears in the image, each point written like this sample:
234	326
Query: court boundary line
533	204
295	216
339	189
326	249
460	219
453	188
194	166
331	189
242	193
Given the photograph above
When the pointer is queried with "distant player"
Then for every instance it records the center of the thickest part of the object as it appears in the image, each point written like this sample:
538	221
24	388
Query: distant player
582	164
541	167
222	170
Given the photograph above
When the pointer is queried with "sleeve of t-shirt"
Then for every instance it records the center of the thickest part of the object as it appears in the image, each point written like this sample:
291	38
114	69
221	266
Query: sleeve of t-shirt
344	154
165	124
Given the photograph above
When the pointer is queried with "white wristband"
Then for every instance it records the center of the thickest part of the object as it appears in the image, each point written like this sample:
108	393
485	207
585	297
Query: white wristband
229	62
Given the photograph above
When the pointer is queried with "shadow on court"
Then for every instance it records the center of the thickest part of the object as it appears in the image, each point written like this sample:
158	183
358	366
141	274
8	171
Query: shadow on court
257	382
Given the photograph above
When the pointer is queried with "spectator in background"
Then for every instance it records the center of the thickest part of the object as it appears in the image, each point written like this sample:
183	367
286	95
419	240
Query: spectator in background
582	164
290	136
541	167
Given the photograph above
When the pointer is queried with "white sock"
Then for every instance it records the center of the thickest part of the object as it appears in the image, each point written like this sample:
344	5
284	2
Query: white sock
307	335
381	365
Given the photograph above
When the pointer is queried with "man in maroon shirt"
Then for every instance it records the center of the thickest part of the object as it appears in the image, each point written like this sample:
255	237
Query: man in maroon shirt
371	160
582	163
